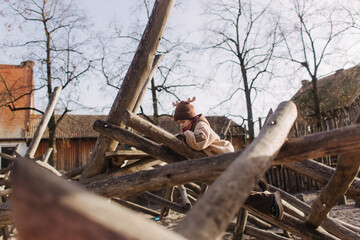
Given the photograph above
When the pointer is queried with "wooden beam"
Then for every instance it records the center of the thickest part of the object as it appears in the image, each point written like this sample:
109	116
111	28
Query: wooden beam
184	197
164	202
347	168
30	152
331	225
136	207
346	139
62	210
122	135
133	83
159	135
214	210
322	173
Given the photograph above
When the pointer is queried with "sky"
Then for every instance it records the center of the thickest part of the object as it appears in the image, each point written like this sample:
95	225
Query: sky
187	20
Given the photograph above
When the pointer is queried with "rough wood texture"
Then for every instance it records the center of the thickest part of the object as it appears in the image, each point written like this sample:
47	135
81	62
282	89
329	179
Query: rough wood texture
61	210
331	142
347	169
30	152
136	207
258	233
330	225
164	202
211	214
198	170
160	135
240	225
133	83
184	197
6	216
119	134
322	173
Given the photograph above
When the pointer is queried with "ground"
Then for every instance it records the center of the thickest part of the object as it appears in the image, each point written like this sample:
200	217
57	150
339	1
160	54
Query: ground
347	213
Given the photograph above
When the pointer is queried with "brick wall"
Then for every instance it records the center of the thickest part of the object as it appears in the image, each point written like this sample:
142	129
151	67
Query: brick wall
16	82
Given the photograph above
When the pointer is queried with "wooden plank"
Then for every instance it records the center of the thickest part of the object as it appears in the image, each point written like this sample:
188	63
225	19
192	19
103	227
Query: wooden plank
62	210
346	170
30	152
214	210
136	207
133	83
159	135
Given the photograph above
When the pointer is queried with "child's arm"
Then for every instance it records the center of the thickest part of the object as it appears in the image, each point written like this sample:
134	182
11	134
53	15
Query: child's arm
200	138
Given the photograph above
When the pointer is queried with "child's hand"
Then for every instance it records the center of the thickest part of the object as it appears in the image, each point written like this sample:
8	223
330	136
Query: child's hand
180	136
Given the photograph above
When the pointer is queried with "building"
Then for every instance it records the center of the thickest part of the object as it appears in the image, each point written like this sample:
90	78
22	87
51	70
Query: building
340	101
75	135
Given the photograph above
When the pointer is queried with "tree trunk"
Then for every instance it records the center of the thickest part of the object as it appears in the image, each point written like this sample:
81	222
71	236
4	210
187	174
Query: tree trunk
52	141
319	123
155	102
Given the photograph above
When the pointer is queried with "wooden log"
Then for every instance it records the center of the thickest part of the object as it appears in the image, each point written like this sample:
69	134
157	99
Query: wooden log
62	210
140	165
133	83
163	202
330	224
258	233
30	152
160	135
346	170
346	139
136	207
294	225
121	135
322	174
47	155
227	193
73	173
258	222
48	167
183	172
165	211
184	197
240	225
6	215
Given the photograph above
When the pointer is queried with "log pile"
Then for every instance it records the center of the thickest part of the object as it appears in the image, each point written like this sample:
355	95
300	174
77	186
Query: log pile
43	204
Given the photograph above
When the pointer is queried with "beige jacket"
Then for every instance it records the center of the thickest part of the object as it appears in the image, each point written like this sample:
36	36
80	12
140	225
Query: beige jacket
202	137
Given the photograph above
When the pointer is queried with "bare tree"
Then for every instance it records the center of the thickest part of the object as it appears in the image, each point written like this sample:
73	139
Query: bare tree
310	31
56	40
174	73
242	33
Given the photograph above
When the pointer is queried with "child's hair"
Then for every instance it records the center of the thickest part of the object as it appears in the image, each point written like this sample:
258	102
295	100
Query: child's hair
184	110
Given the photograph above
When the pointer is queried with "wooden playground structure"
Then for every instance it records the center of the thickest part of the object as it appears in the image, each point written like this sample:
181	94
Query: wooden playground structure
83	204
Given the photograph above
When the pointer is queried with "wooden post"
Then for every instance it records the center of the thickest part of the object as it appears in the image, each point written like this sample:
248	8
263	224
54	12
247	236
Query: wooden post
77	214
346	170
184	197
47	155
240	225
133	83
160	135
227	193
119	134
30	152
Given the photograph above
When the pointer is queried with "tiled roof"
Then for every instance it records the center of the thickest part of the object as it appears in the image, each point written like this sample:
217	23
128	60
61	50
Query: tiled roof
80	126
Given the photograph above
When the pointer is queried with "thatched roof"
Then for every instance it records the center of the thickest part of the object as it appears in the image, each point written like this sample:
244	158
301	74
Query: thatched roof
80	126
337	91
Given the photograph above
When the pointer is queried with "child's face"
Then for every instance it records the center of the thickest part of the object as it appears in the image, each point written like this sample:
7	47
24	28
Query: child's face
184	123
